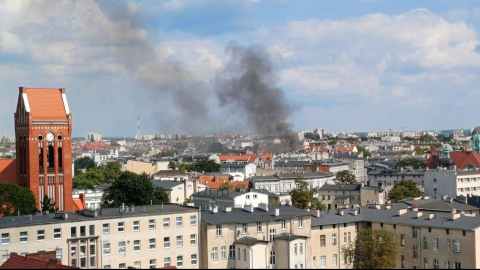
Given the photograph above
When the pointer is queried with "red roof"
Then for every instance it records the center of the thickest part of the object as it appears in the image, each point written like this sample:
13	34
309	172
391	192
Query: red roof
19	262
97	146
217	185
237	158
46	103
8	171
461	159
78	205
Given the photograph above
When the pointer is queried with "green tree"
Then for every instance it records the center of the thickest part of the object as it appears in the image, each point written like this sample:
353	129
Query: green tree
207	166
372	249
168	153
15	198
133	189
111	171
303	197
91	178
363	139
411	162
91	139
365	152
114	143
241	186
426	138
48	205
186	167
84	163
404	189
345	177
172	165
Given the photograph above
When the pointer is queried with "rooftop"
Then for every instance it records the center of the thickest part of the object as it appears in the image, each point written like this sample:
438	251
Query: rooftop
27	262
249	241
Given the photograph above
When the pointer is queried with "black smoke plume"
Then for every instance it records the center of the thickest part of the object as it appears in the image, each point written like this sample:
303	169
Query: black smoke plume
247	85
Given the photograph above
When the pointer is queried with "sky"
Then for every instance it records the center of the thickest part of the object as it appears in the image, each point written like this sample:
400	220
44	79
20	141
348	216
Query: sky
345	65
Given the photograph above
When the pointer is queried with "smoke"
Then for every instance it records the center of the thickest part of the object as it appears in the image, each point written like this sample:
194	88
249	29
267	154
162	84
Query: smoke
247	85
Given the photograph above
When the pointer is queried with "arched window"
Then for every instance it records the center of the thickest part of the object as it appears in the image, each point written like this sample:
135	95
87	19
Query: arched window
60	158
40	158
51	157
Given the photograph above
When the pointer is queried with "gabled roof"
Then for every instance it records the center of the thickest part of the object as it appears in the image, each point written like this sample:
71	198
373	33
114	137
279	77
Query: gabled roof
20	262
8	171
460	158
46	104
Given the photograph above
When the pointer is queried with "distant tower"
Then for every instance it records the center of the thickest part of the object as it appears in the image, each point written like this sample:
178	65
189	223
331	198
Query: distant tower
138	137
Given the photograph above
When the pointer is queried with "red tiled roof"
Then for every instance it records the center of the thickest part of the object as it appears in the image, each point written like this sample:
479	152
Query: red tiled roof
238	158
20	262
461	159
46	103
8	171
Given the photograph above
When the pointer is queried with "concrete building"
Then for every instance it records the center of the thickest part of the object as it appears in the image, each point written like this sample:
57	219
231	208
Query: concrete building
179	190
229	198
93	136
386	179
255	238
285	182
144	237
248	169
138	167
334	167
334	196
452	183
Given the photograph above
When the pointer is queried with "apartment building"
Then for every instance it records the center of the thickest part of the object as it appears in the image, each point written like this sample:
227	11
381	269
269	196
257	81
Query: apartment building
452	183
334	196
229	198
386	179
334	167
140	237
285	182
264	237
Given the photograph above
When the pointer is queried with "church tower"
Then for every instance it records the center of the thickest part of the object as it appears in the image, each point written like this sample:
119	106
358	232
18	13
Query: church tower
43	128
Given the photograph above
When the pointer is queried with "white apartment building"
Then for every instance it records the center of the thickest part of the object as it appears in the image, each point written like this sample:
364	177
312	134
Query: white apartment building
285	182
228	198
142	237
97	137
452	183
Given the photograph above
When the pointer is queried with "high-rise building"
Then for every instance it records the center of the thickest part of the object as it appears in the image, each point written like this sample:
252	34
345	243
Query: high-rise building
43	128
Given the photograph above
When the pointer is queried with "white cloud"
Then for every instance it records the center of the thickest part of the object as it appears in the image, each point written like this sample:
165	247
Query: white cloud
279	53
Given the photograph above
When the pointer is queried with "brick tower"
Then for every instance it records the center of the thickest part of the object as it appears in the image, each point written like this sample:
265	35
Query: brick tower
43	128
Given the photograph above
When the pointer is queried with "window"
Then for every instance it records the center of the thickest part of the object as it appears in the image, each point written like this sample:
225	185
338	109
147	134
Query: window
334	239
193	220
231	254
153	263
121	226
136	245
193	259
239	254
107	267
248	197
106	228
349	237
334	260
57	233
121	266
179	241
403	261
152	244
323	261
73	252
300	222
436	264
219	230
179	222
121	247
244	228
414	232
40	235
92	230
415	252
402	240
254	196
166	242
244	254
215	254
166	262
322	241
5	258
345	237
106	248
179	261
272	235
193	239
457	265
166	223
435	243
137	265
23	237
92	249
224	252
259	227
296	249
83	231
301	248
456	246
136	226
151	224
284	224
425	244
273	260
448	245
5	238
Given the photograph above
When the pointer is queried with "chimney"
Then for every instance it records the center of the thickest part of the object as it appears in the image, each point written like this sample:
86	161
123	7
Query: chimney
402	211
248	208
228	209
388	206
52	263
82	200
454	215
277	212
317	213
418	214
289	203
431	216
354	212
340	212
263	206
123	207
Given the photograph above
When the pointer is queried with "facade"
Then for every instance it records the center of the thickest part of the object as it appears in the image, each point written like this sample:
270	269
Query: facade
43	128
284	183
334	167
144	237
357	167
255	238
138	167
335	196
93	136
386	179
452	183
179	190
228	198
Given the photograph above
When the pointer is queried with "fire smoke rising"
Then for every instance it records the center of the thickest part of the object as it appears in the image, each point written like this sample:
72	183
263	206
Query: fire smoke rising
247	85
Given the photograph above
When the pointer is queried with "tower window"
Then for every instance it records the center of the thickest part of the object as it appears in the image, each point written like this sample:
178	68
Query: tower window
60	158
40	158
50	157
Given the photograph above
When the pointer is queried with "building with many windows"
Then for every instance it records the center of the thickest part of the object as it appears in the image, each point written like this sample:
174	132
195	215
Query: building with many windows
141	237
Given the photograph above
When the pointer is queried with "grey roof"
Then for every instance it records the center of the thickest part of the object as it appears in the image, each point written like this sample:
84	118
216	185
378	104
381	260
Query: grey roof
439	205
334	164
108	213
291	176
232	165
249	241
170	173
223	193
167	185
289	236
341	187
238	215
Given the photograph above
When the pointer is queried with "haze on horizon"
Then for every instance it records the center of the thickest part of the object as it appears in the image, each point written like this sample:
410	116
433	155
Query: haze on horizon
351	65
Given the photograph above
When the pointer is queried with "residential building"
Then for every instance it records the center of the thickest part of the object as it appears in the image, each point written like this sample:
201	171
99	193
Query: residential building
285	182
141	237
179	190
93	137
229	198
266	237
335	196
248	169
452	183
170	175
386	179
334	167
138	167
